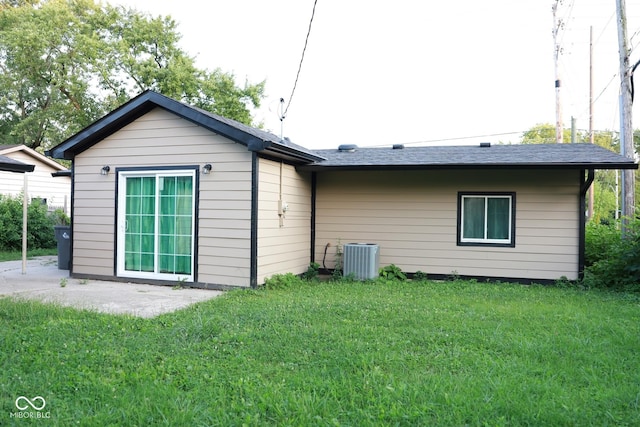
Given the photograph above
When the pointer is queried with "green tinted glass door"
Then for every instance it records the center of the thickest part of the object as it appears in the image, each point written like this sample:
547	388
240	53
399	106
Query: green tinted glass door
157	225
139	252
175	221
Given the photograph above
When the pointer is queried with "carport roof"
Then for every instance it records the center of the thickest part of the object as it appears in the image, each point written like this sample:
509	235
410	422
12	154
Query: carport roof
539	156
10	165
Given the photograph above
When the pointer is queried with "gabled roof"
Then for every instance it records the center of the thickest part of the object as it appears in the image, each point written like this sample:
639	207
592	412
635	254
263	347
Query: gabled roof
541	156
6	150
10	165
254	139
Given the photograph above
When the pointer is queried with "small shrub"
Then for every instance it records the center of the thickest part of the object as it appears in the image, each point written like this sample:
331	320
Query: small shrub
40	224
59	217
615	261
392	272
351	277
563	282
454	276
337	270
282	281
599	240
420	275
312	272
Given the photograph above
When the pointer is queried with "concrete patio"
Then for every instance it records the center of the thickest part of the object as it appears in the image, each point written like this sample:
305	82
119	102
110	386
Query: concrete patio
43	281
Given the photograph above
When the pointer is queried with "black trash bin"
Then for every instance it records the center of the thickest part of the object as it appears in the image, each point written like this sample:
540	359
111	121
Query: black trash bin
63	237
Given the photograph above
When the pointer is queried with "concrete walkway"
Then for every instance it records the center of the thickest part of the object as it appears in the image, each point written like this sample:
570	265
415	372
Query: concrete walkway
43	281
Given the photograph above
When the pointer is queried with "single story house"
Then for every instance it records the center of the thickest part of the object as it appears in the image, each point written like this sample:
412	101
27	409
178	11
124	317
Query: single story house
56	193
165	192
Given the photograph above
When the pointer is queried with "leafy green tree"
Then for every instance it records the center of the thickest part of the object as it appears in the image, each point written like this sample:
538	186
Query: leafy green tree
605	187
65	63
543	133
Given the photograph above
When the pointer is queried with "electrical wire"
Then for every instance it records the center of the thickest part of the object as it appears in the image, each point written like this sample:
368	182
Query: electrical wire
306	41
633	45
604	28
451	139
631	79
586	110
564	22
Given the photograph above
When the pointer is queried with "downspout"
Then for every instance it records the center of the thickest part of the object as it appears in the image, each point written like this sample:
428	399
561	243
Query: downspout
314	182
253	270
584	187
71	211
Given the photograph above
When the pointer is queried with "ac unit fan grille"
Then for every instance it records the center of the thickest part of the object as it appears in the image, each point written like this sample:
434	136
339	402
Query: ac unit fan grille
361	260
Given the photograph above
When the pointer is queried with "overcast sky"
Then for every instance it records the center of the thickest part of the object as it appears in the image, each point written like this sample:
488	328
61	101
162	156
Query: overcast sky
406	71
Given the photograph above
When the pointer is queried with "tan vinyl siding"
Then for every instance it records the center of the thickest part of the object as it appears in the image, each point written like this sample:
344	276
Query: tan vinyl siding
412	215
283	247
41	184
162	139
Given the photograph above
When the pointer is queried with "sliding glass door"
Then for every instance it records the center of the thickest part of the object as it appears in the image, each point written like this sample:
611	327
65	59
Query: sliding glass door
156	213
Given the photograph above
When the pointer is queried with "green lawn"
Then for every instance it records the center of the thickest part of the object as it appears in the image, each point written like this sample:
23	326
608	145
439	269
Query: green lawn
357	354
17	255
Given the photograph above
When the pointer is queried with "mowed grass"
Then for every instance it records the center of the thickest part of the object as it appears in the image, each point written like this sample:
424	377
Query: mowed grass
17	255
447	354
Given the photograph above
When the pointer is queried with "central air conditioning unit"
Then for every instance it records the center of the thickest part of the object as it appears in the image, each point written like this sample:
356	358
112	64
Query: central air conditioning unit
362	260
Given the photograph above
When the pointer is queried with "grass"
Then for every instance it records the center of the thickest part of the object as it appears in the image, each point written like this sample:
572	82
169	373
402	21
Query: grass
384	353
17	255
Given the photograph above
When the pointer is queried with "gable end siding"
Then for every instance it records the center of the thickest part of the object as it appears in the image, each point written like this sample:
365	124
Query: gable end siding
162	139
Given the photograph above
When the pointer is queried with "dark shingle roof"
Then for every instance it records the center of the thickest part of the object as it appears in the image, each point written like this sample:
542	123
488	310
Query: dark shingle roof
254	139
575	156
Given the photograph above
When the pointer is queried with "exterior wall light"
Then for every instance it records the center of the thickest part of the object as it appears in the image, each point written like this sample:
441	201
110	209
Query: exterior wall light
206	169
105	170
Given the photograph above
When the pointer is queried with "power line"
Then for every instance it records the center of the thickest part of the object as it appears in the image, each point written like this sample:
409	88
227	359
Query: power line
306	41
427	141
600	94
522	132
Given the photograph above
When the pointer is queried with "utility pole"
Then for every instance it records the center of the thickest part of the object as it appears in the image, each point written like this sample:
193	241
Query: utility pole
626	126
591	135
557	25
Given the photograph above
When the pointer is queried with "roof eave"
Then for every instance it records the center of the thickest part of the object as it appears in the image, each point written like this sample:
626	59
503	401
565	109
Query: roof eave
149	100
102	128
546	166
17	168
292	153
33	154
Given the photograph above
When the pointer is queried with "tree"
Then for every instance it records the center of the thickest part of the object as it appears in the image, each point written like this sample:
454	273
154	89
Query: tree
605	185
543	133
65	63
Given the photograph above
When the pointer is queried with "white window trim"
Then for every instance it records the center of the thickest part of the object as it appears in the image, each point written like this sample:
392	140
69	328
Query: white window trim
485	240
121	225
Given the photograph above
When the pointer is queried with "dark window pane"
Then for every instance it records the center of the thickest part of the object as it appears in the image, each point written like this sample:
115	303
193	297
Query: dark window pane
473	214
498	218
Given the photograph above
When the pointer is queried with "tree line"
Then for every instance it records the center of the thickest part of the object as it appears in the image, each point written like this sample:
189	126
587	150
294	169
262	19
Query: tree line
66	63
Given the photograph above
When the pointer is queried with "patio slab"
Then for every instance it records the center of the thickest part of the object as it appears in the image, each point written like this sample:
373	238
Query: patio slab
43	281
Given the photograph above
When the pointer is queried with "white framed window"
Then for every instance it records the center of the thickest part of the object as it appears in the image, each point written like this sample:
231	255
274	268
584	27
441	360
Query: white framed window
486	219
156	223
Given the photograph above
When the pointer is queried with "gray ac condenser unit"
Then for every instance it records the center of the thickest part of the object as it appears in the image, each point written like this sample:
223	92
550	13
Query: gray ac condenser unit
362	260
